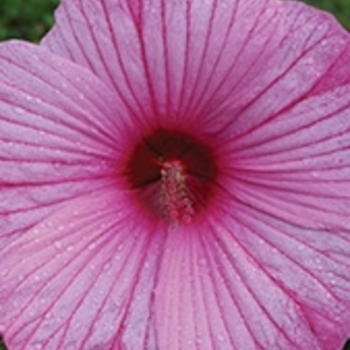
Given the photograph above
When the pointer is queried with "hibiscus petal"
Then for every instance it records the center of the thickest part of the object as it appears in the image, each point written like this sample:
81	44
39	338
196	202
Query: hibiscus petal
219	61
290	284
286	240
245	280
307	43
174	50
194	308
269	268
58	138
82	278
295	166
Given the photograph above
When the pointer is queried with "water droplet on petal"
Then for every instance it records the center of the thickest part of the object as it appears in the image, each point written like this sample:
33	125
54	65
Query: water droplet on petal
106	266
202	262
37	278
220	338
58	244
92	246
38	346
19	110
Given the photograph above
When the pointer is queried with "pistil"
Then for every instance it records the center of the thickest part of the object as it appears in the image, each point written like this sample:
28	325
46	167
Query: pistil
175	200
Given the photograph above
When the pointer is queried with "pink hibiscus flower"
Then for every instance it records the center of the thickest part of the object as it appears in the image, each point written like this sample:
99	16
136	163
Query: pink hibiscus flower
175	175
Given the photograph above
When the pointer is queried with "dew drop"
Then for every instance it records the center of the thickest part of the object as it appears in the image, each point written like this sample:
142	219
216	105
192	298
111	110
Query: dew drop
57	165
301	247
58	244
92	246
317	261
28	98
106	266
19	110
331	278
220	338
202	262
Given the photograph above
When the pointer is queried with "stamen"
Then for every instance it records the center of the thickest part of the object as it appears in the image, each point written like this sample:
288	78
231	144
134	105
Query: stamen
174	200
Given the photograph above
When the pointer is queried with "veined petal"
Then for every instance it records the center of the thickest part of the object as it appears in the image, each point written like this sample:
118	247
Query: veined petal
307	44
291	284
194	306
58	136
243	279
295	165
266	82
216	61
82	278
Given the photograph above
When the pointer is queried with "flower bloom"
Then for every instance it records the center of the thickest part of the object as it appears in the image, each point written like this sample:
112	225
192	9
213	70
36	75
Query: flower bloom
175	175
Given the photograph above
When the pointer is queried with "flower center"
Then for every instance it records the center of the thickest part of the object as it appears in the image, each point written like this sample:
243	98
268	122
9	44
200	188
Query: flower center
172	174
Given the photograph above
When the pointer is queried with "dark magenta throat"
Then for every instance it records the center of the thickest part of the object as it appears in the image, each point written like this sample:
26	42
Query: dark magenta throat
173	175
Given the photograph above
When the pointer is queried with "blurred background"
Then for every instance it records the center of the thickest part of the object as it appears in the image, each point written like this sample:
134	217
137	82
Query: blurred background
340	8
31	19
27	19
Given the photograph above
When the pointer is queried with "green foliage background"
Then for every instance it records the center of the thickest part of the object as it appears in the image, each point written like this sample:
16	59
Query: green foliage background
26	19
340	8
30	20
